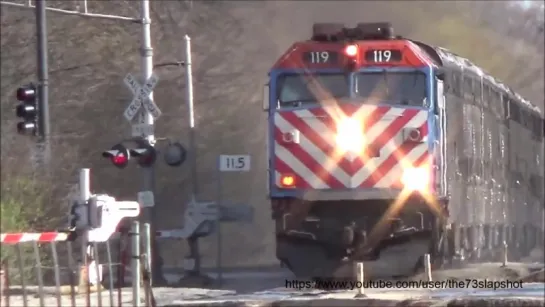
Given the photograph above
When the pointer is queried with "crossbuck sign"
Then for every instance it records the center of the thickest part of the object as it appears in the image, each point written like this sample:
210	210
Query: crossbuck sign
141	97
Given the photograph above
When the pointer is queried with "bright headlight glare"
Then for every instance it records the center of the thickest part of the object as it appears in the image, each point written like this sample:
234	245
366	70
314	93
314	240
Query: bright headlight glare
415	179
349	135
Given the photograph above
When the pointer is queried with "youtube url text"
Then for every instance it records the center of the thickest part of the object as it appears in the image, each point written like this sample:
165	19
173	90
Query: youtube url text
405	284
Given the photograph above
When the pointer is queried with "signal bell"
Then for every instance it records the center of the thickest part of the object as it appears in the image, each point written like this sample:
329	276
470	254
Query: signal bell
119	155
175	154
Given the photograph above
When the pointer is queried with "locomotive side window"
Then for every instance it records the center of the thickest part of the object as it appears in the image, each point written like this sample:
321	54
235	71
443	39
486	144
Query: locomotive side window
447	83
455	83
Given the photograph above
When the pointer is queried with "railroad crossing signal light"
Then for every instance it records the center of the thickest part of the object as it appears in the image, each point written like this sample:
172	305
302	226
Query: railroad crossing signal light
145	153
27	109
119	155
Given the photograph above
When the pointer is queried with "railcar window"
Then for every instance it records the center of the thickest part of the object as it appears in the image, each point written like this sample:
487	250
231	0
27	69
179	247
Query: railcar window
457	83
467	89
477	90
487	98
496	102
526	118
536	125
514	111
535	185
523	116
298	89
405	88
530	123
506	106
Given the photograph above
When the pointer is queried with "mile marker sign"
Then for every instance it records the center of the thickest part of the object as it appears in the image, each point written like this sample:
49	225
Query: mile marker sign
141	97
234	163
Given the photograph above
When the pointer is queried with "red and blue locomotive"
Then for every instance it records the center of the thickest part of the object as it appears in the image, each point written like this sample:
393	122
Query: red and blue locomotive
373	154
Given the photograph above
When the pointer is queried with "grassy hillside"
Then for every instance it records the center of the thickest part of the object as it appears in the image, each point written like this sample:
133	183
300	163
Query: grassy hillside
234	43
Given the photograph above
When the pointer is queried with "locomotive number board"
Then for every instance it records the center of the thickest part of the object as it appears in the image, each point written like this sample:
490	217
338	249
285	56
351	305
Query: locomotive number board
383	56
321	57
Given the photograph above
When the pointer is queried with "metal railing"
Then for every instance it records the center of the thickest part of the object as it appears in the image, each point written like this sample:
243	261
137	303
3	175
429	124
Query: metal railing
41	269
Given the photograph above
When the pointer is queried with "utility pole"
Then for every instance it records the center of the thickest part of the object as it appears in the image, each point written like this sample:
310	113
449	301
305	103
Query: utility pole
44	129
193	241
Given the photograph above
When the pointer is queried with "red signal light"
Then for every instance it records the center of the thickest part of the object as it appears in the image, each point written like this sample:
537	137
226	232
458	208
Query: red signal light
119	159
119	155
145	153
26	93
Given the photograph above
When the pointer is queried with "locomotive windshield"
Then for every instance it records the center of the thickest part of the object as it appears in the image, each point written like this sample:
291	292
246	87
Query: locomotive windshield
395	88
298	89
400	88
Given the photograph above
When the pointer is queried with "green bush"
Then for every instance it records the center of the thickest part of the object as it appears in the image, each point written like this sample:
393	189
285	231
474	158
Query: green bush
21	210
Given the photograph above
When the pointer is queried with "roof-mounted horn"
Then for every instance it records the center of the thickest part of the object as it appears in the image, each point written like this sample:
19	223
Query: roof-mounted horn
326	31
375	30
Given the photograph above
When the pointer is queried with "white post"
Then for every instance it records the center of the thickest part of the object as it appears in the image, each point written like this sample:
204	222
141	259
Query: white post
504	258
84	185
361	280
84	195
147	59
135	263
190	107
427	266
85	7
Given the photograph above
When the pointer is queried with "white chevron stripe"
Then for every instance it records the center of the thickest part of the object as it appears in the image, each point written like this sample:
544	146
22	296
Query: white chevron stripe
298	167
381	125
397	171
391	146
330	165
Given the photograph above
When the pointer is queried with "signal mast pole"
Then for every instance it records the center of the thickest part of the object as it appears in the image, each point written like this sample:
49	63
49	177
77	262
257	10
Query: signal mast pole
149	172
44	129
